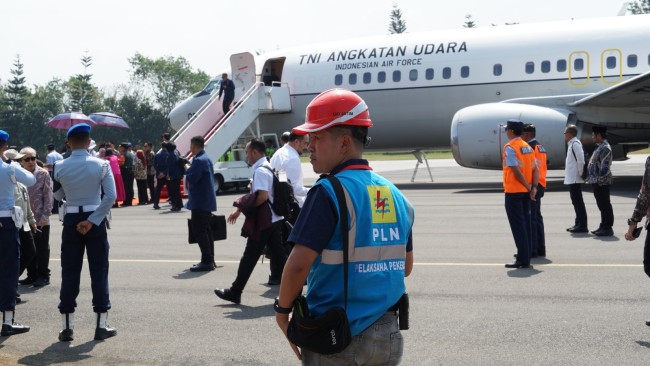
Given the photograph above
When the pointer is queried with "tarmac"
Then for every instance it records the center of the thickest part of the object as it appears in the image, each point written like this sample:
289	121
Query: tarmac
584	304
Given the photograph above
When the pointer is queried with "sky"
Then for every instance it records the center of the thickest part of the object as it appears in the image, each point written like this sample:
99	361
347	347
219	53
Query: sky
52	36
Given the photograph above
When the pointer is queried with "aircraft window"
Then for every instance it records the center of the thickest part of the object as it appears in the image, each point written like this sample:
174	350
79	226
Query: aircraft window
397	76
561	65
338	79
413	75
446	73
352	79
578	64
211	85
367	78
611	62
381	77
546	66
429	74
464	71
497	69
631	61
530	67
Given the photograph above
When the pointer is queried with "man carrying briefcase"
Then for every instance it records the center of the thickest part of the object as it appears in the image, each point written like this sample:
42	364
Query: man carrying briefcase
202	201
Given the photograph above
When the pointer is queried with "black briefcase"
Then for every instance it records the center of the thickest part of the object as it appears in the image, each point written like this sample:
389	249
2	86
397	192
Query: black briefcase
217	227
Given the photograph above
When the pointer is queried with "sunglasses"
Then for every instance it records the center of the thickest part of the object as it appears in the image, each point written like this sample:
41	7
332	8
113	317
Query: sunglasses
33	158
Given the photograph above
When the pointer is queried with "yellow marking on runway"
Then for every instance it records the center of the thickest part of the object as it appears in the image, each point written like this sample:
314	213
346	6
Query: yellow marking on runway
425	264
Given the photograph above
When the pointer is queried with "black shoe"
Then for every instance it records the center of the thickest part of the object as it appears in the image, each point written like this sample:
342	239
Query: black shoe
541	254
273	281
579	230
103	333
156	207
41	282
15	328
175	209
228	295
647	322
66	335
27	281
604	232
18	299
516	264
202	267
571	228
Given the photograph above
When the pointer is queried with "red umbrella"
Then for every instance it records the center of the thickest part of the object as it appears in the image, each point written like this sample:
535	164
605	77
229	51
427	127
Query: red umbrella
64	121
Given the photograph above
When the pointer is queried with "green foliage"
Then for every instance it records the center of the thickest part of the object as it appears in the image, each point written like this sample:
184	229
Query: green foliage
639	7
170	79
469	23
397	24
82	95
13	111
44	103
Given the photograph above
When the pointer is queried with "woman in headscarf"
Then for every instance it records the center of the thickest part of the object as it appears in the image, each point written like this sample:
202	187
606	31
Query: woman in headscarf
140	173
117	175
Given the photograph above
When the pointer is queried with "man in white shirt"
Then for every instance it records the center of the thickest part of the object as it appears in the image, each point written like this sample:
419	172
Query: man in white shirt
573	167
287	159
52	157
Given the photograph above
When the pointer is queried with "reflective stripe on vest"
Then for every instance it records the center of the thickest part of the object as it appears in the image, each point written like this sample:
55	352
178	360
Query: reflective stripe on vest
526	159
540	158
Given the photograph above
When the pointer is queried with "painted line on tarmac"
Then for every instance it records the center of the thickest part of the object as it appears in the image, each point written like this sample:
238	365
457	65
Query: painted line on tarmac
425	264
532	264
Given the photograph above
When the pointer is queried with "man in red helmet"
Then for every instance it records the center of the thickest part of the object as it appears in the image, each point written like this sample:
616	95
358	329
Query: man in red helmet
380	239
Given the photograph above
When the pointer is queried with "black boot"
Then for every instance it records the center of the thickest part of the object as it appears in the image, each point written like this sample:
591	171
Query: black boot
9	327
67	334
103	330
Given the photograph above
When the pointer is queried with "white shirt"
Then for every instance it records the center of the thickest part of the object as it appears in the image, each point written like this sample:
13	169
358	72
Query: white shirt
287	160
263	181
574	163
52	158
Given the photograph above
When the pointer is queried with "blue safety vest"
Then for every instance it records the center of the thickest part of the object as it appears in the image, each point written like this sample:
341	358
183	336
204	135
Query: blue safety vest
380	221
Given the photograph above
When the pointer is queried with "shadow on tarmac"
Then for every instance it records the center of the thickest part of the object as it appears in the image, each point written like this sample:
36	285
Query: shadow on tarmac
59	352
245	312
523	272
188	275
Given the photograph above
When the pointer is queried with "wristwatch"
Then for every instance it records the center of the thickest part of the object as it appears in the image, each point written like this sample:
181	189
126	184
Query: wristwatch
280	309
631	222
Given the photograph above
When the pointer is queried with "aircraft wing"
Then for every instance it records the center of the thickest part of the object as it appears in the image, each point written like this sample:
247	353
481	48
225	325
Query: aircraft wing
632	93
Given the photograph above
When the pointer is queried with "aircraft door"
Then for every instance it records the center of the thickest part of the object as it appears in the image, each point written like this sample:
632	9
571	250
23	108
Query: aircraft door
243	72
579	68
611	67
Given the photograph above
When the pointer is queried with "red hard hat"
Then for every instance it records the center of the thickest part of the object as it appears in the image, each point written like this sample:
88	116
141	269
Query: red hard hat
335	107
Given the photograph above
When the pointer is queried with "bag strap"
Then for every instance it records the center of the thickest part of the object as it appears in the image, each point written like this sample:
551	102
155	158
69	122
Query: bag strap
343	215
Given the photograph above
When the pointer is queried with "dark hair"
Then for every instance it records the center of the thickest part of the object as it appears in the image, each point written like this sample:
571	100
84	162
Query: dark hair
166	136
108	152
358	133
79	138
295	136
148	144
198	141
2	144
258	146
171	147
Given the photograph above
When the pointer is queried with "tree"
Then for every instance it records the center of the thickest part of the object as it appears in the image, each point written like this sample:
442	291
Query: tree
469	23
13	111
82	95
42	104
397	24
169	79
639	7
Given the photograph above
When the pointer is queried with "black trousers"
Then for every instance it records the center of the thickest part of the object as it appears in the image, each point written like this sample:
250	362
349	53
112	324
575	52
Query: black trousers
9	263
226	105
161	183
254	248
575	191
174	189
73	246
518	212
127	178
203	234
646	254
152	186
601	193
27	249
39	268
142	191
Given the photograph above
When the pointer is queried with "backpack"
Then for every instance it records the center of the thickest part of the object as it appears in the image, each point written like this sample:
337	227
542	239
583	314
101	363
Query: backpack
283	198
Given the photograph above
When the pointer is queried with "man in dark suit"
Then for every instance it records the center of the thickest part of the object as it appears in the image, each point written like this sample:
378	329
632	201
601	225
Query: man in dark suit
227	88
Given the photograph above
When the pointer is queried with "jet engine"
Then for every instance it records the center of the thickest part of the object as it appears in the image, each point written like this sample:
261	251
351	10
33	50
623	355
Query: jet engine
478	133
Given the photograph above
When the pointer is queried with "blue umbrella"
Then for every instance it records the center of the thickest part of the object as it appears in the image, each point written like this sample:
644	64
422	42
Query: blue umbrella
108	119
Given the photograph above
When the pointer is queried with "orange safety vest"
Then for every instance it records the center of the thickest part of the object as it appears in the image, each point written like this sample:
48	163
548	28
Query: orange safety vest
540	158
526	159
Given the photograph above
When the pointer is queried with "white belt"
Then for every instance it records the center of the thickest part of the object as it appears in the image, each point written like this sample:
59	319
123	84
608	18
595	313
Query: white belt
5	213
75	209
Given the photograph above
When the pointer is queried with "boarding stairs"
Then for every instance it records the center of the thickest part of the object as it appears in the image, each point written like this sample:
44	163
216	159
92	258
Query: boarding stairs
220	131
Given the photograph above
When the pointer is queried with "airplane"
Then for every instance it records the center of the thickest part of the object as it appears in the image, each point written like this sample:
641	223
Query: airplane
456	88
